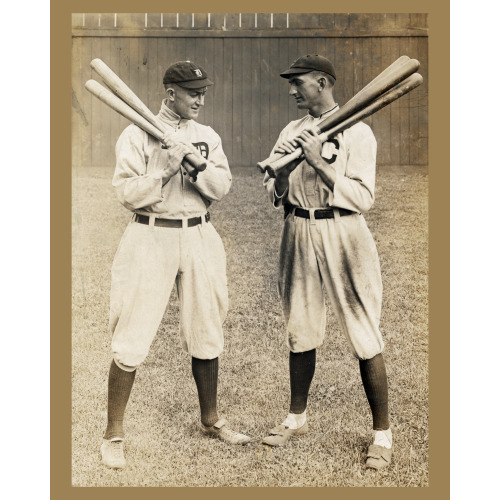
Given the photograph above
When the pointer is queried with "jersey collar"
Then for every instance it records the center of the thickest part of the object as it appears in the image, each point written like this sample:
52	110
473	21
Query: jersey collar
170	117
328	111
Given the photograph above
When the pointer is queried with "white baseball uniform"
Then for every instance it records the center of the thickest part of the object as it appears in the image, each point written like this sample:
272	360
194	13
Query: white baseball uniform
151	258
337	253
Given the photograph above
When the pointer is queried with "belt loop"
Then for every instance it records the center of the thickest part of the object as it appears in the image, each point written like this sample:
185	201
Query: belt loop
311	216
184	222
336	214
152	219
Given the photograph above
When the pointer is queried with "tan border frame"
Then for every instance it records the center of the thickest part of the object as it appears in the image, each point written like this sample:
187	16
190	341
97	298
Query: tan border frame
439	202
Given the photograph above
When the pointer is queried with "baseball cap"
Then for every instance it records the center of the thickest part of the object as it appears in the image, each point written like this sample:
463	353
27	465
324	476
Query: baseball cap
187	74
308	63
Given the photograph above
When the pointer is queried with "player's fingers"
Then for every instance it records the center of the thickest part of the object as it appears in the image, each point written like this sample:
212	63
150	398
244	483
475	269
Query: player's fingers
286	147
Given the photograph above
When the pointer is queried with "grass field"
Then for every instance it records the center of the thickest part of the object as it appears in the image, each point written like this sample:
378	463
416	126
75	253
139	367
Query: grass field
163	446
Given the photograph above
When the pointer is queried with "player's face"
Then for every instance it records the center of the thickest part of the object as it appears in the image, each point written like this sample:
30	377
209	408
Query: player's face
304	89
187	102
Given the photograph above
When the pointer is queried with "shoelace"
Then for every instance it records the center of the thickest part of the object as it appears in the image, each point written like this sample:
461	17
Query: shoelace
116	449
232	433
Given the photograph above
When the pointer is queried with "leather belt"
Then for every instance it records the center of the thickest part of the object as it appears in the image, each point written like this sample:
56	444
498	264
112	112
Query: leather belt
174	223
321	213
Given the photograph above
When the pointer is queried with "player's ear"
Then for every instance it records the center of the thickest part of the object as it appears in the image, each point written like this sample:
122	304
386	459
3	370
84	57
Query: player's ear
321	83
170	93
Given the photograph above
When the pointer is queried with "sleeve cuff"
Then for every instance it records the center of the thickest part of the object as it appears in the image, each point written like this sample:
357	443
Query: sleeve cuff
278	200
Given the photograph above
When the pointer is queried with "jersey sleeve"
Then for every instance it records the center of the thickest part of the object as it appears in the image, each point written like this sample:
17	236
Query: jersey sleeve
356	190
135	188
214	182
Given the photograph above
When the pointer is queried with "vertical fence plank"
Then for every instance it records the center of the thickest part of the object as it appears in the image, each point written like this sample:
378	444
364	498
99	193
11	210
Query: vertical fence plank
208	64
246	104
276	87
413	98
237	100
256	106
217	90
357	53
153	76
421	100
268	136
345	70
227	106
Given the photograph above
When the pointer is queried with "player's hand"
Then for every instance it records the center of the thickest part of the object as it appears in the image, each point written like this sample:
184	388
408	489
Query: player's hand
172	158
286	146
310	143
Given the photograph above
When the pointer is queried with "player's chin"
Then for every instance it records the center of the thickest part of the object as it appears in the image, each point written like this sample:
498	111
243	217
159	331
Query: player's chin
193	113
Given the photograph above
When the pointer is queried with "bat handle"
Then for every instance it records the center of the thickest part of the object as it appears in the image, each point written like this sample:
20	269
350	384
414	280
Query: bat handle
274	157
196	161
273	168
192	171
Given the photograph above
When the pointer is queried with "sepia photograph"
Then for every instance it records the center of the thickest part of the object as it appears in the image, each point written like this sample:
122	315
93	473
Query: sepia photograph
250	249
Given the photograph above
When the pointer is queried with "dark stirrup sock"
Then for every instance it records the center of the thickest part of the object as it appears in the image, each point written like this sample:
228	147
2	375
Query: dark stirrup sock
205	373
302	367
374	379
120	384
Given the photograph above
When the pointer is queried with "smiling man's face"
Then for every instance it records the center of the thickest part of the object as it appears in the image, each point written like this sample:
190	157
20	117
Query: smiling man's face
187	102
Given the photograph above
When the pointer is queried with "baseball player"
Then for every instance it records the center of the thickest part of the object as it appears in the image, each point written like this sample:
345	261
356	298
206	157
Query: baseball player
169	241
326	244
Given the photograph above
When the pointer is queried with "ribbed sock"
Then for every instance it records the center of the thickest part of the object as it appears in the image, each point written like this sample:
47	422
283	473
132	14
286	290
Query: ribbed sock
205	373
302	367
120	384
374	379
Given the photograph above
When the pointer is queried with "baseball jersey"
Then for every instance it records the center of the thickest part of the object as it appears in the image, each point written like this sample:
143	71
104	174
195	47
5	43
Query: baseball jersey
353	155
138	177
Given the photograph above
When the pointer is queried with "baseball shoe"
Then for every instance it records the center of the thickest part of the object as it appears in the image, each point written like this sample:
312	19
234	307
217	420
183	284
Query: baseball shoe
112	453
378	457
281	434
221	431
380	451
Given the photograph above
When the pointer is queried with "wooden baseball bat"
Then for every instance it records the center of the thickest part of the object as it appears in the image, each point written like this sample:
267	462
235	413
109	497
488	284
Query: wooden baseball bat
385	99
121	89
121	107
392	75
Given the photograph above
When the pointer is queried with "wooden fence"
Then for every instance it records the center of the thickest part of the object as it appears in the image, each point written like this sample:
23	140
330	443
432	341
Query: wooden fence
244	54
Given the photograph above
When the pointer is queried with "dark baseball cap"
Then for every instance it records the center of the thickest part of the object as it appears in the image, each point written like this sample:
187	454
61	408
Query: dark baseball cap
187	74
308	63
